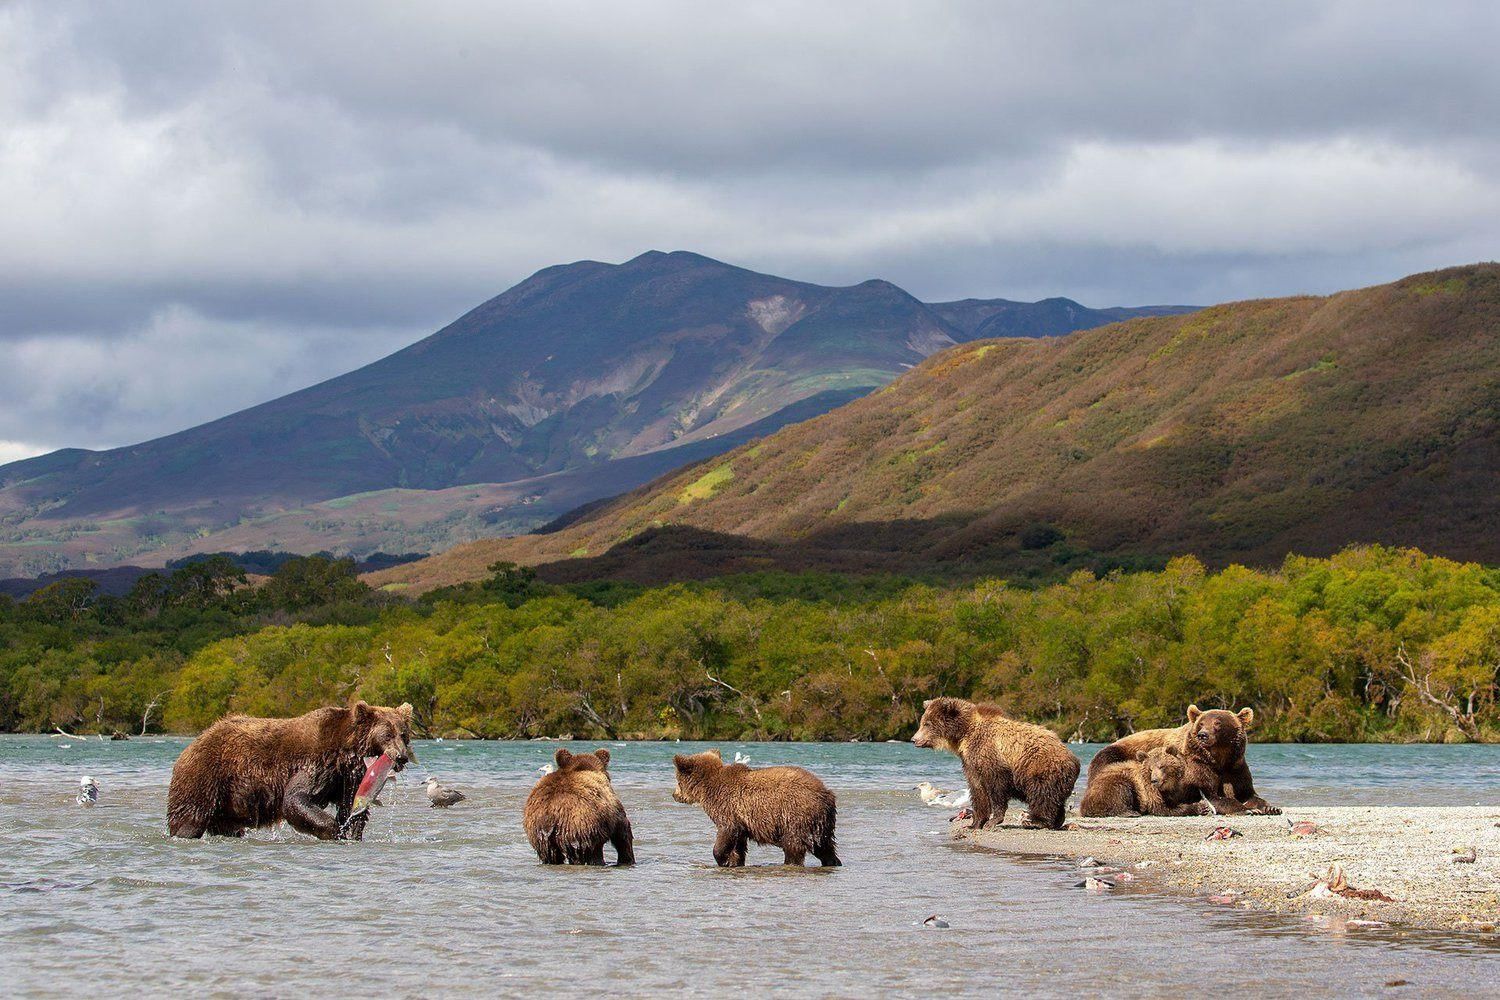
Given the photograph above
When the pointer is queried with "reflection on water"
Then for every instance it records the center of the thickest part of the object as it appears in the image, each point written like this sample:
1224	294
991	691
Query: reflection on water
99	901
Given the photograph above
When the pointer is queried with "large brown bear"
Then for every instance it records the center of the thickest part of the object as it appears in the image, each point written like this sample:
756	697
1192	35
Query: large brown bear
1213	746
243	773
787	807
1003	759
574	811
1148	785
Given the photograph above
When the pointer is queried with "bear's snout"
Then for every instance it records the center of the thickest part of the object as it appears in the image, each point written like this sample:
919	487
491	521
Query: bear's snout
922	739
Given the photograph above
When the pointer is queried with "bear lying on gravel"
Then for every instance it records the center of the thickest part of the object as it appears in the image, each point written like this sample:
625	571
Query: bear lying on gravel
243	773
1213	746
1144	785
573	812
1002	759
787	807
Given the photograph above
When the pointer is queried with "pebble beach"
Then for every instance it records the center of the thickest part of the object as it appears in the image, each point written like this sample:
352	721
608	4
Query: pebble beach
1414	856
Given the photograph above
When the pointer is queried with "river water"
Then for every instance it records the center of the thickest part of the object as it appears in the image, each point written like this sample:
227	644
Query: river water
98	902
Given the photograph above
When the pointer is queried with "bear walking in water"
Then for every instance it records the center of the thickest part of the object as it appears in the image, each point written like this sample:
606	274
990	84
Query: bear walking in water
1212	745
1003	759
243	772
1149	785
573	812
787	807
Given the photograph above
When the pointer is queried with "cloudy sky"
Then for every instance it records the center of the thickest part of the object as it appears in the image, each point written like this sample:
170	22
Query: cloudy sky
203	206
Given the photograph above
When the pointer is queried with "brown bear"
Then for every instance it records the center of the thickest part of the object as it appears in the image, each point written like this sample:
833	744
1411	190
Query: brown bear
574	811
787	807
1148	784
243	772
1213	746
1002	759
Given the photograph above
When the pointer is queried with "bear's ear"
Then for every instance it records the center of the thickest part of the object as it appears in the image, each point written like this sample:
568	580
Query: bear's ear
1247	717
1140	755
562	756
405	710
361	710
603	756
1193	712
680	762
928	704
1173	752
715	752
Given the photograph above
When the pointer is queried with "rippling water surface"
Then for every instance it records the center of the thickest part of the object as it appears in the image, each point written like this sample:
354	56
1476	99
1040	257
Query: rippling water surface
99	902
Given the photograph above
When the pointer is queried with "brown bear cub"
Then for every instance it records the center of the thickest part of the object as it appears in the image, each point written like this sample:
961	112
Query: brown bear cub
1212	745
1003	759
243	773
1145	785
573	812
787	807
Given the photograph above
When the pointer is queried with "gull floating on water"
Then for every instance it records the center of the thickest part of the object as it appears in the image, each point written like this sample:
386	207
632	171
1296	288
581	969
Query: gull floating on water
941	799
441	798
545	769
741	758
88	791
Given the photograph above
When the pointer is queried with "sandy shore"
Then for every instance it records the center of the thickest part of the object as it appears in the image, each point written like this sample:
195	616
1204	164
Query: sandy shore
1406	854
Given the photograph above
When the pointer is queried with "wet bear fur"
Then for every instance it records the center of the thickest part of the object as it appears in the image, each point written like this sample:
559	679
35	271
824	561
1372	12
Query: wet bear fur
1002	759
786	807
573	812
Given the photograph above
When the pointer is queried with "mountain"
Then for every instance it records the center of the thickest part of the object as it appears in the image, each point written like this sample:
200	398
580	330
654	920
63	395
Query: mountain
1240	432
979	319
583	381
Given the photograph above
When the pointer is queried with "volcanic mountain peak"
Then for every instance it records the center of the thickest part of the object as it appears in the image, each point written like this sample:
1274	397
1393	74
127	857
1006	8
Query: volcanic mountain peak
581	381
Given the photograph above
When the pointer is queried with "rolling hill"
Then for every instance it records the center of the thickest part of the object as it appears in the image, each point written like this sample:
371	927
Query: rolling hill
583	381
1239	432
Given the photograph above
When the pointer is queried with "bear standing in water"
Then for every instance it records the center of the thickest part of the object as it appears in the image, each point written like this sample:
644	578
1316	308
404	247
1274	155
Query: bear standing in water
243	773
1003	759
573	812
1146	785
787	807
1213	746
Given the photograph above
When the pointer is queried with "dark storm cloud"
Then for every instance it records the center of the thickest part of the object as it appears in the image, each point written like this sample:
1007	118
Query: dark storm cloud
275	192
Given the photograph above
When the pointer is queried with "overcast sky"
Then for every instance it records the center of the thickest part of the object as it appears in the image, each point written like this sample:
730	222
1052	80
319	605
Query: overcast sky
206	205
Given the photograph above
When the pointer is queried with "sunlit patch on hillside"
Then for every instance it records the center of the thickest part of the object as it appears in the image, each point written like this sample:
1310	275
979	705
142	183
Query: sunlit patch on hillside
707	484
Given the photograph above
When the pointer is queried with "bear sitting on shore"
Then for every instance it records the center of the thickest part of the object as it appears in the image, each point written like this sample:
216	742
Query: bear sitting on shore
1146	785
1002	759
243	772
573	812
787	807
1212	744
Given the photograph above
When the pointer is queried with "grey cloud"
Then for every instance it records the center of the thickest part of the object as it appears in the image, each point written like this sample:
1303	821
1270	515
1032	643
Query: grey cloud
275	192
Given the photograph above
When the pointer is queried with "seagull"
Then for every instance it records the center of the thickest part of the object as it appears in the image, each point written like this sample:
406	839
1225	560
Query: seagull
940	799
741	758
88	791
441	798
545	769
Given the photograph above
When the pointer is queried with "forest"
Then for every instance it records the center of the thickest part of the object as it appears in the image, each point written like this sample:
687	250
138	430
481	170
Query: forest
1372	644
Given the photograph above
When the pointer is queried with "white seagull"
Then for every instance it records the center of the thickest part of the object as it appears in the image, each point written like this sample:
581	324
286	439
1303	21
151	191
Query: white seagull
439	797
88	791
741	758
940	799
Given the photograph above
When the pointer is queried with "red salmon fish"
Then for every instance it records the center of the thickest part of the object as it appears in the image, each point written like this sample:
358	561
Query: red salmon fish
376	775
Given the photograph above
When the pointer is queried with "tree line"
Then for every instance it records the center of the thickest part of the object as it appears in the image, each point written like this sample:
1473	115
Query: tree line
1373	644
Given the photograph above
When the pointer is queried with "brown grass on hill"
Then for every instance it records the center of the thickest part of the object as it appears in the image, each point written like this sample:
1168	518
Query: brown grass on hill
1240	432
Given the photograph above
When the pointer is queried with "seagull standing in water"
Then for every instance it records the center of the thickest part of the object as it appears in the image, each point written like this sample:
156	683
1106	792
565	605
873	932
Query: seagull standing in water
741	758
88	791
439	797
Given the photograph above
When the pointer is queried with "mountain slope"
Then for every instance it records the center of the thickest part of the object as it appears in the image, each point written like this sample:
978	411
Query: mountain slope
583	381
1240	432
